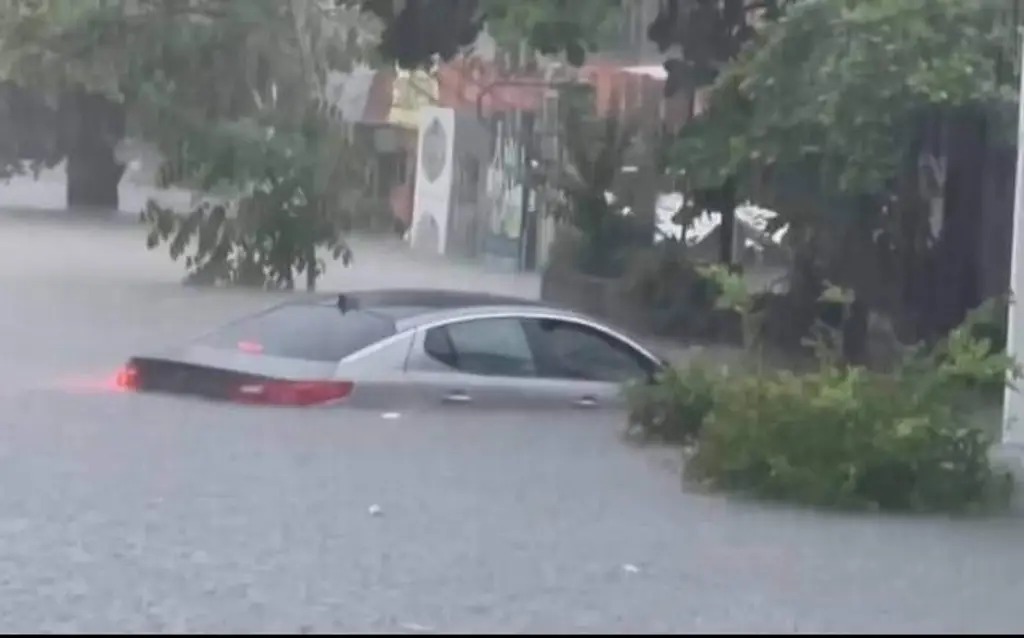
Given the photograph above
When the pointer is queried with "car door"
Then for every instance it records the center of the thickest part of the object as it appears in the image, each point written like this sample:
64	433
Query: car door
589	364
485	362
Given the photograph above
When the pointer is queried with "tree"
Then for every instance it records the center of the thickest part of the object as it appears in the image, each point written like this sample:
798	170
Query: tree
28	128
416	33
868	127
595	152
554	26
294	166
41	49
233	95
706	36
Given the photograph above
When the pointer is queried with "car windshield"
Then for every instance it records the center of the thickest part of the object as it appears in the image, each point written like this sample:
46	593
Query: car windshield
307	332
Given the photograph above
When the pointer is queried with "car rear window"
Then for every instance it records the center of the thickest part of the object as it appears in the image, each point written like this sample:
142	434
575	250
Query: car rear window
308	332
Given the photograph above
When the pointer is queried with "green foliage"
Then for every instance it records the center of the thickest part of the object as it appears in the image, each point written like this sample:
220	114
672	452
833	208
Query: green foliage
969	359
298	200
734	296
233	95
417	34
676	296
28	132
674	408
43	57
844	117
242	247
292	212
830	89
846	438
707	35
839	436
595	152
65	43
554	26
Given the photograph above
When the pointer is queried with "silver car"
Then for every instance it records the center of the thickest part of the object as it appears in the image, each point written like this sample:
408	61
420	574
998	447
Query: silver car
400	349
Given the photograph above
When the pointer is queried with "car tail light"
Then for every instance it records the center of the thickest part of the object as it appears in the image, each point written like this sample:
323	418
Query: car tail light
127	377
295	393
171	377
252	347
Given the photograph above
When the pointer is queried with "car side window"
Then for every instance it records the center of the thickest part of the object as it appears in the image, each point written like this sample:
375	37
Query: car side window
577	351
491	347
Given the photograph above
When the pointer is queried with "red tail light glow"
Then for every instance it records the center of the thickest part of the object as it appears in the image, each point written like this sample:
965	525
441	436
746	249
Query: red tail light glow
127	378
251	347
294	393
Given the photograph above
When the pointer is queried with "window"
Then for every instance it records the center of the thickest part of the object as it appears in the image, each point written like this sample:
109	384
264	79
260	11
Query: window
576	351
303	331
492	347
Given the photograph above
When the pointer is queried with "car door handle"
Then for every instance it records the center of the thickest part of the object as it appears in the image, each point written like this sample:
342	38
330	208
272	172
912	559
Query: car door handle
585	402
457	396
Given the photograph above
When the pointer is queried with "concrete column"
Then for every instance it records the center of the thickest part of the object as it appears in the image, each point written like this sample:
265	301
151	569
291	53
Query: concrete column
1013	401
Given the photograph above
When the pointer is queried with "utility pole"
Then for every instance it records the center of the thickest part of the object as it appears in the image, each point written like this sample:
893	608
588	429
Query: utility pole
1013	398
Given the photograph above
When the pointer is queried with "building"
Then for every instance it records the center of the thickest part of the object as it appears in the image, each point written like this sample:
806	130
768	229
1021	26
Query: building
507	112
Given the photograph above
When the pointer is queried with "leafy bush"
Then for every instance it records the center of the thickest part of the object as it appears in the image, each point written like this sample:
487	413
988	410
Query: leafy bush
677	298
984	331
838	436
845	438
675	407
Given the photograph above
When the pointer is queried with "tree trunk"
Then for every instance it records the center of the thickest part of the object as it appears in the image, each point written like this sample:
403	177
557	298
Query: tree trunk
92	128
727	236
93	174
955	289
855	333
726	207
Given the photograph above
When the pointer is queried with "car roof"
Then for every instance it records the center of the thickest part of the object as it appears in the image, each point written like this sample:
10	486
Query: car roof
432	298
412	307
405	304
438	315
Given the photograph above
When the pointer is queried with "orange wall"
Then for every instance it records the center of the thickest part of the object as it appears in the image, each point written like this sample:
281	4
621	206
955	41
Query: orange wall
615	90
462	82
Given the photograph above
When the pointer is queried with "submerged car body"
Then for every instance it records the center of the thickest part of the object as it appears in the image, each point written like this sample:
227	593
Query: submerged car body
403	348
